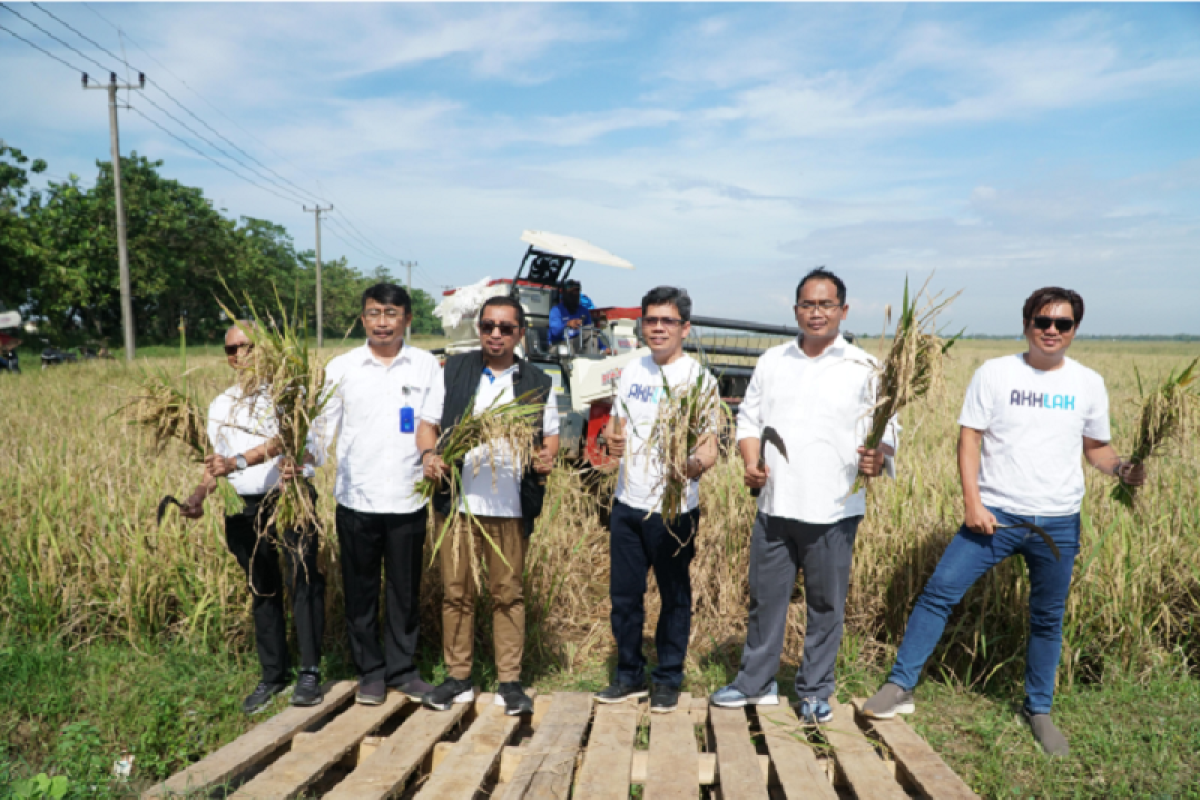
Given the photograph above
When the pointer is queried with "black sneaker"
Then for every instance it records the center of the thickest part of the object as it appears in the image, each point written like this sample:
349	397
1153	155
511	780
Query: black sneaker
450	691
371	693
308	691
513	698
619	693
664	699
261	696
416	689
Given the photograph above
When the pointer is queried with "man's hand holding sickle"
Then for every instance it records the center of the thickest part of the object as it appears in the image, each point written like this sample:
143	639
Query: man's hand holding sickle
769	436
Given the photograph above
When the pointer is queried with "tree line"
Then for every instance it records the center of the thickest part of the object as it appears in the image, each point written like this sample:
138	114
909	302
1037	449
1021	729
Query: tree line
58	259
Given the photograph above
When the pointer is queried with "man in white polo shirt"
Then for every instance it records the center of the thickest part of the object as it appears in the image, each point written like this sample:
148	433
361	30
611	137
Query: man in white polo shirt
1026	420
505	503
237	425
817	393
380	393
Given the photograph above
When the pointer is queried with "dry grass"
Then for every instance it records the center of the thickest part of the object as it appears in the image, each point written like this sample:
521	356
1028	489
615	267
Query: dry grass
80	555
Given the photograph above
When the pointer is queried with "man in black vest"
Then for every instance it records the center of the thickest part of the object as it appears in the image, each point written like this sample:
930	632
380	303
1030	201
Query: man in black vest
505	503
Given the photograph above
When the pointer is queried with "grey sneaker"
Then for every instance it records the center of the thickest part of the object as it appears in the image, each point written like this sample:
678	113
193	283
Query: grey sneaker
888	702
415	690
1048	735
619	693
371	693
308	690
257	700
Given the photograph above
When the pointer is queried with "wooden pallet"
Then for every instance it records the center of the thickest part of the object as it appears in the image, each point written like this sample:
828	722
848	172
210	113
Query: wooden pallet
570	747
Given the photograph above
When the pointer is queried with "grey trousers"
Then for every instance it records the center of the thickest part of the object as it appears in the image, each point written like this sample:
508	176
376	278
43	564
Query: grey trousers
778	548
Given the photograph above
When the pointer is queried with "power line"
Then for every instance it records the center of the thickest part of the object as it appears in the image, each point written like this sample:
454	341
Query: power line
351	244
55	38
379	253
39	47
202	154
95	44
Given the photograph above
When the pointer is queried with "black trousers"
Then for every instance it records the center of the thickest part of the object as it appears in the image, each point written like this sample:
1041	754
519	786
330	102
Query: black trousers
396	543
259	559
637	544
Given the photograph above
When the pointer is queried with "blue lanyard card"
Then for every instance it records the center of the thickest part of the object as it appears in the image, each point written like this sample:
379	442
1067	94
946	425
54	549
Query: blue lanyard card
408	421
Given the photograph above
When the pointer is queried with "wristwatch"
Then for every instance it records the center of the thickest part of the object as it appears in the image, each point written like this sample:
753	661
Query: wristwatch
240	461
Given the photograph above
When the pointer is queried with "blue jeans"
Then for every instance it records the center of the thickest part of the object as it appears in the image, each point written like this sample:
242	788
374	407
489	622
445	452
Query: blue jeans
637	544
968	557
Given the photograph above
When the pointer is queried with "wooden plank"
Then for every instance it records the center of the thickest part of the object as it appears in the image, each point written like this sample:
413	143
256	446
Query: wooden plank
924	766
307	762
384	772
608	760
800	773
255	745
549	762
674	761
461	774
865	771
738	772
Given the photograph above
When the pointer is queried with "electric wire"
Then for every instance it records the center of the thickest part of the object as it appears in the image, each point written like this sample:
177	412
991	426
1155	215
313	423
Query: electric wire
10	10
335	223
379	253
39	47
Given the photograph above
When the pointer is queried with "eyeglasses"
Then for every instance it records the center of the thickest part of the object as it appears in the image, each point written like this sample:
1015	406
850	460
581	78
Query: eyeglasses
824	305
232	349
389	313
506	328
1061	324
666	322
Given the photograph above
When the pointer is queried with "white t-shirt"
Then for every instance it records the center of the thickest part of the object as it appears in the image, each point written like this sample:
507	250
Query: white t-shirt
1033	425
235	426
504	498
639	484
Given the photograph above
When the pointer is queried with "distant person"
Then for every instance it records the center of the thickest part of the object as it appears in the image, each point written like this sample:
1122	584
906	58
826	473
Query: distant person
1033	414
568	318
817	393
238	425
505	503
640	539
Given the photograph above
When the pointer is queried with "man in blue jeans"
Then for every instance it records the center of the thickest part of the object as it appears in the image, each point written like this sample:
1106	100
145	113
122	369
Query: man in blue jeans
1033	414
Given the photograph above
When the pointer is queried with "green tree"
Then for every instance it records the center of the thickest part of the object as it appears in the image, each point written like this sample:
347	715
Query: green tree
21	257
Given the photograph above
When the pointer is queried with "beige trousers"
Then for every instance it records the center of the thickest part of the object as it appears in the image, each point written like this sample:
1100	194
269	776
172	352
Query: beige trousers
504	583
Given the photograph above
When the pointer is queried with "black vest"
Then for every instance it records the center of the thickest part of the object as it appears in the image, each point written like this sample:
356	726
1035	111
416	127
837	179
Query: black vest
461	375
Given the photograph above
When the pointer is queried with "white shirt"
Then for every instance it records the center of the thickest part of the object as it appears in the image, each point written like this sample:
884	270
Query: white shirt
378	466
234	427
503	498
1033	425
821	408
640	481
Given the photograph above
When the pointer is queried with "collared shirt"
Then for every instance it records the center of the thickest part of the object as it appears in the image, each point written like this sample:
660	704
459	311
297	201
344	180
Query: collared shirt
500	497
235	426
821	408
560	316
378	465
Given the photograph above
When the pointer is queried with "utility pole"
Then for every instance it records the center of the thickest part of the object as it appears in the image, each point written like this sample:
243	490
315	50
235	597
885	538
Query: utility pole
409	265
122	250
320	306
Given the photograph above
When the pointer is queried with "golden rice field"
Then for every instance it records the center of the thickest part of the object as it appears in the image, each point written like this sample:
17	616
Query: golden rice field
81	557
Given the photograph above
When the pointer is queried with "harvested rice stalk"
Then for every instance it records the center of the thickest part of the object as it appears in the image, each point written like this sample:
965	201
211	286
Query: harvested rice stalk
1167	412
282	369
510	428
686	414
913	366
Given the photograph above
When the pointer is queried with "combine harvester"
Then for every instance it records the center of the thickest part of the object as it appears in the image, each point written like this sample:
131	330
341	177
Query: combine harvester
585	375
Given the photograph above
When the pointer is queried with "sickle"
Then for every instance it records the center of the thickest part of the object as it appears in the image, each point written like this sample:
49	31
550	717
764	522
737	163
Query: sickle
1040	531
162	507
769	436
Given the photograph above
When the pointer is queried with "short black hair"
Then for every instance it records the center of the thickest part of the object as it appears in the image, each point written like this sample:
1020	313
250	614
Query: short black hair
822	274
669	295
1052	294
388	294
505	301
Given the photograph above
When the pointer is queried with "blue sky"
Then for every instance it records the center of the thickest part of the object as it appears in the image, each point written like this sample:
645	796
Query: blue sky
726	148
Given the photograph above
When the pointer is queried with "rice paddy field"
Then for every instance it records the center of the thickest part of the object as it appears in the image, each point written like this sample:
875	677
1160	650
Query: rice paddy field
89	582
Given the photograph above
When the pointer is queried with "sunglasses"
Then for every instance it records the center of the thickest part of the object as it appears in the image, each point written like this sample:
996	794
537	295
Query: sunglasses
1060	324
232	349
506	328
666	322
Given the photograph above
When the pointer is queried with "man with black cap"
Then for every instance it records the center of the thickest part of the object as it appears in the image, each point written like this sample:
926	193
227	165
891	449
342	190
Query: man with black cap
568	318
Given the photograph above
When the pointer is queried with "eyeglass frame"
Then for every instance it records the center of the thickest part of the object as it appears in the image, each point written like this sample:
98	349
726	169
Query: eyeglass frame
376	313
808	305
670	323
494	325
1045	323
237	348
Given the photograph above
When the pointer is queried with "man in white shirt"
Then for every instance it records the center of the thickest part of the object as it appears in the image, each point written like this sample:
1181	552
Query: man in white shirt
640	540
1033	414
237	425
504	503
379	394
817	393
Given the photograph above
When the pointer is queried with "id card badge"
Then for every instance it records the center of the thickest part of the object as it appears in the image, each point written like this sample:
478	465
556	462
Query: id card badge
408	420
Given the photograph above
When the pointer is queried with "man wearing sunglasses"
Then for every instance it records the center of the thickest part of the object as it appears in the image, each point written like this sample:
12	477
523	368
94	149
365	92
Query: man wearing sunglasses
1025	422
237	425
505	503
816	393
640	539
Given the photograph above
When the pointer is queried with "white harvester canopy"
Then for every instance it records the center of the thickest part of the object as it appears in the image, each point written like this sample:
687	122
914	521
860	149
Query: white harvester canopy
9	319
577	249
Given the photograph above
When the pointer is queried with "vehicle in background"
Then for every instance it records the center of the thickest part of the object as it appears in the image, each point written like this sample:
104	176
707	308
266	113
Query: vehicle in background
10	358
